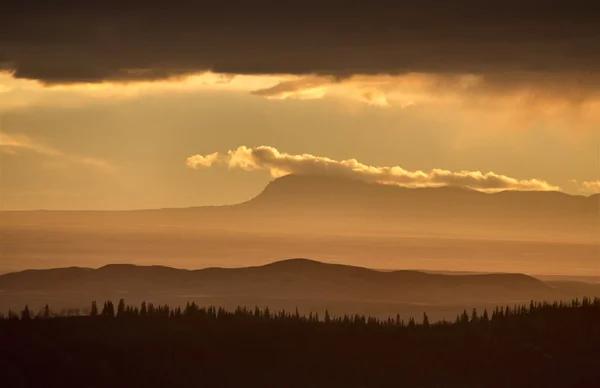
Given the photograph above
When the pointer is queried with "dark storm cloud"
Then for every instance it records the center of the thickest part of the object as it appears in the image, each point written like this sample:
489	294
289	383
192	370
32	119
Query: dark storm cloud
90	43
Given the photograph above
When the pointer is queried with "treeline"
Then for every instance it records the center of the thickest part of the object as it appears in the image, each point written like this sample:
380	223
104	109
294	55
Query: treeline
540	344
212	313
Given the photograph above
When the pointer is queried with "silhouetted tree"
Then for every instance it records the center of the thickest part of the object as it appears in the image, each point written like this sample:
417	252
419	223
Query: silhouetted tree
474	316
485	318
558	328
25	314
94	309
121	308
425	321
464	318
108	310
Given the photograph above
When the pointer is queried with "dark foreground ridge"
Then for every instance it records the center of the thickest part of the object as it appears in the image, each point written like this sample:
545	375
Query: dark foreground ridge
539	345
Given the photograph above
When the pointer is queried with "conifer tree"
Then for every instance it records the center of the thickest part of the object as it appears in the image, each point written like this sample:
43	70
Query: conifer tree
485	318
26	314
464	318
108	310
94	309
121	309
425	321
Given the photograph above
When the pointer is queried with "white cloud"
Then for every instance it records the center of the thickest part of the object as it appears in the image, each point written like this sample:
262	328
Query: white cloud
280	164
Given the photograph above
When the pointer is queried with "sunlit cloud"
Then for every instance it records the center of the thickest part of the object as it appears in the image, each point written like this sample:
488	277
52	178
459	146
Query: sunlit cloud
529	94
280	164
300	88
377	98
590	186
196	161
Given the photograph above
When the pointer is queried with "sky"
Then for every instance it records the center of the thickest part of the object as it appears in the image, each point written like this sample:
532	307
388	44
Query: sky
126	108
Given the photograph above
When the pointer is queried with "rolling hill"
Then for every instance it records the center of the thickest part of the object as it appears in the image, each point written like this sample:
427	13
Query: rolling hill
295	283
292	279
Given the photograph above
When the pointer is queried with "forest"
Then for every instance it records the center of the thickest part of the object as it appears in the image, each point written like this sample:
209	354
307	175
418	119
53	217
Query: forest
542	344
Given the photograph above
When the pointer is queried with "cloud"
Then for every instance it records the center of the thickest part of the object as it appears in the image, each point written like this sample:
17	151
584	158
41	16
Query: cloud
591	186
13	144
520	97
376	98
527	92
196	161
303	89
95	43
280	164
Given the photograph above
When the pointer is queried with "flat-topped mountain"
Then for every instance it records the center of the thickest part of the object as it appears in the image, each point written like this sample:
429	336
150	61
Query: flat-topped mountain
325	192
295	203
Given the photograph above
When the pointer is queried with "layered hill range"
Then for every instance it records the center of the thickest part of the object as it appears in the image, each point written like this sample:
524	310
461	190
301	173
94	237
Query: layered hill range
327	204
327	218
286	284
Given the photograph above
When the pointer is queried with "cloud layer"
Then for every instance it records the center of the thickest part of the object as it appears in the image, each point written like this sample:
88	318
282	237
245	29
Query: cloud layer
93	42
280	164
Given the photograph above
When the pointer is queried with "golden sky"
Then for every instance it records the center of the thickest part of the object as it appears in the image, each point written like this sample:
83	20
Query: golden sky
107	106
208	138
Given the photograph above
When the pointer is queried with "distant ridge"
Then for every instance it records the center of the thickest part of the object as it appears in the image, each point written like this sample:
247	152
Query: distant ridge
302	184
442	209
293	279
300	204
302	193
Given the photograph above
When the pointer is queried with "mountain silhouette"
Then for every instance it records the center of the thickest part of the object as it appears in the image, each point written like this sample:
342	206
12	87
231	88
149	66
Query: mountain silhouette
323	204
336	192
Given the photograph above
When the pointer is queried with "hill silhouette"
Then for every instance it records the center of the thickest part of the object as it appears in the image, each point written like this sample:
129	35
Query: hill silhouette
289	284
292	279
